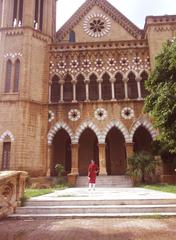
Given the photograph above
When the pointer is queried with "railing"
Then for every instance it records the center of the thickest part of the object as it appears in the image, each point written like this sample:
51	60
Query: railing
12	184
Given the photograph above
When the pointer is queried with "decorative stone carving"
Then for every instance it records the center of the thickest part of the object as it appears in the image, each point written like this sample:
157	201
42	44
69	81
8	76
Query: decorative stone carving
50	116
97	25
127	113
100	114
74	115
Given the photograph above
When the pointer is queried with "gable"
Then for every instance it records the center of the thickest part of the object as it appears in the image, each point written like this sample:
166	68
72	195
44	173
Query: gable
98	20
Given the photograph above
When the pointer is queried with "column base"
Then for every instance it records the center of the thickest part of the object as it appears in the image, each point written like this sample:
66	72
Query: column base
72	177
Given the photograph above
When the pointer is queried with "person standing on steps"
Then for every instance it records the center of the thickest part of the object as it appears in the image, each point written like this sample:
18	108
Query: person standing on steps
92	173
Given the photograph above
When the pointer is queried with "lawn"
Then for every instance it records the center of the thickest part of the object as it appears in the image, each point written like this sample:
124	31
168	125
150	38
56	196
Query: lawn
34	192
162	187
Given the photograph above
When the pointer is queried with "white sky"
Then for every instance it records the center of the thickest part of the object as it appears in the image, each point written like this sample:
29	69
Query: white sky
135	10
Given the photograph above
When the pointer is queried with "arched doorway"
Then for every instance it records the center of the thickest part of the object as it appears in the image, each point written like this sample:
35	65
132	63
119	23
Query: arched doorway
142	140
116	163
61	152
88	149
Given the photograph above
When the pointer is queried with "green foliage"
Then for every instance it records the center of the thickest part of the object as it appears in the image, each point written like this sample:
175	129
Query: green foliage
161	101
140	165
162	187
60	169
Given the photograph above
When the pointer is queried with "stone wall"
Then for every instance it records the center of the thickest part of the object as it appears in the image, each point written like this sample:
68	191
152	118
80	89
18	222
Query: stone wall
12	184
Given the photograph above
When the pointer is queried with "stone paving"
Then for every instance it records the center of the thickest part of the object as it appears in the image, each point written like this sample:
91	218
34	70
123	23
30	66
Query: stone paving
89	229
106	193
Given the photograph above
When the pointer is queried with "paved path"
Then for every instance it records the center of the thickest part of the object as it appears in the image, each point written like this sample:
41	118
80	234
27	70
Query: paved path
106	193
89	229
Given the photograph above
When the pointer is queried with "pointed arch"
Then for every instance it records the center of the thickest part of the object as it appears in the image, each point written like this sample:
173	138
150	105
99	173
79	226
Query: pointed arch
132	85
143	76
54	129
68	88
7	134
92	126
146	124
119	86
8	77
80	87
93	87
120	126
16	76
106	86
55	89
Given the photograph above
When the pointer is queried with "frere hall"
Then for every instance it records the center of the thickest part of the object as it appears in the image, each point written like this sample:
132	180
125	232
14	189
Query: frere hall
76	94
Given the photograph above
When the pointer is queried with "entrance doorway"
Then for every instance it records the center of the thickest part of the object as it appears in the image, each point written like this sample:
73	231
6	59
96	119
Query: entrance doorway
88	149
142	140
61	152
116	163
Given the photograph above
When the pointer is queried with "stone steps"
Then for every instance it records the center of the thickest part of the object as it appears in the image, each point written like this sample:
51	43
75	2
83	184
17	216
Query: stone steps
106	181
90	202
101	209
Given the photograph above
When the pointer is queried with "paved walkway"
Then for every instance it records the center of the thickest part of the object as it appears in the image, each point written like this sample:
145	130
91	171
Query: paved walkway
89	229
106	193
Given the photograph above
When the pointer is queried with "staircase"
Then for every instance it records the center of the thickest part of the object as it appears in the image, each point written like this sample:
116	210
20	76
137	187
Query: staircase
94	208
106	181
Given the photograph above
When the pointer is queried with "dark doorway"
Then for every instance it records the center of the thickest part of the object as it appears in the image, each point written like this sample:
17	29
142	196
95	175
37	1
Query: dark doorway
115	153
61	152
88	149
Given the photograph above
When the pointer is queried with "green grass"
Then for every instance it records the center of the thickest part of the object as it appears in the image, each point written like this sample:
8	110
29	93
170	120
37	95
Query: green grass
161	187
35	192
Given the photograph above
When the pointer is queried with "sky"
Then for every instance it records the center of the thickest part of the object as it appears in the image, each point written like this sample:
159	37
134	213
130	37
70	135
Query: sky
135	10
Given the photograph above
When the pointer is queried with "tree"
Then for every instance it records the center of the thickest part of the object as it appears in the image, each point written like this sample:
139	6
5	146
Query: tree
140	166
161	101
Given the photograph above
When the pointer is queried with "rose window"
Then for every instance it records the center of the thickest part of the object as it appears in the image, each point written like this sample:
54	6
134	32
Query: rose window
97	25
100	114
74	115
127	113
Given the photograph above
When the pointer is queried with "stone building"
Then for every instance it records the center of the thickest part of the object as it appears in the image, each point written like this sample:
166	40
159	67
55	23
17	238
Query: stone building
78	93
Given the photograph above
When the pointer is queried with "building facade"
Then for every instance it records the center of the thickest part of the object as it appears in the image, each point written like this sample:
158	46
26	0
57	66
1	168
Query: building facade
77	94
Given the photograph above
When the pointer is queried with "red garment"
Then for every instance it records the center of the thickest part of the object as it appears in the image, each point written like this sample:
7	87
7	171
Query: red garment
92	172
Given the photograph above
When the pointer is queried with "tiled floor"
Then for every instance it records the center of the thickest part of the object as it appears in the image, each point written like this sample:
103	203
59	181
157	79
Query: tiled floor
89	229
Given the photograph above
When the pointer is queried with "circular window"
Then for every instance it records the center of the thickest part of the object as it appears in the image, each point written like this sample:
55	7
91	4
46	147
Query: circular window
74	115
127	113
97	25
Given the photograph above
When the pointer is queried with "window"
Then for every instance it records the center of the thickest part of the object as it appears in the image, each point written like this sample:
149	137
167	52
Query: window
80	88
119	87
72	38
6	156
17	12
55	89
132	86
144	77
106	87
38	18
8	76
68	89
16	76
93	88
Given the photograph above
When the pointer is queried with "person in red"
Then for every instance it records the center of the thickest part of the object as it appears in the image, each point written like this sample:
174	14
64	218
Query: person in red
92	173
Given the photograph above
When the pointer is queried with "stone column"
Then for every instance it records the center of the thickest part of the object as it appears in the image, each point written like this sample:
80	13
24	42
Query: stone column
126	88
49	159
74	169
49	95
129	149
99	90
87	88
62	91
112	89
102	159
74	90
139	88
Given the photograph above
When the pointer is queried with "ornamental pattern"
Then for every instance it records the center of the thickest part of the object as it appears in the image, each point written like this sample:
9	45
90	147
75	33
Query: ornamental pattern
51	116
100	114
74	115
127	113
97	25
